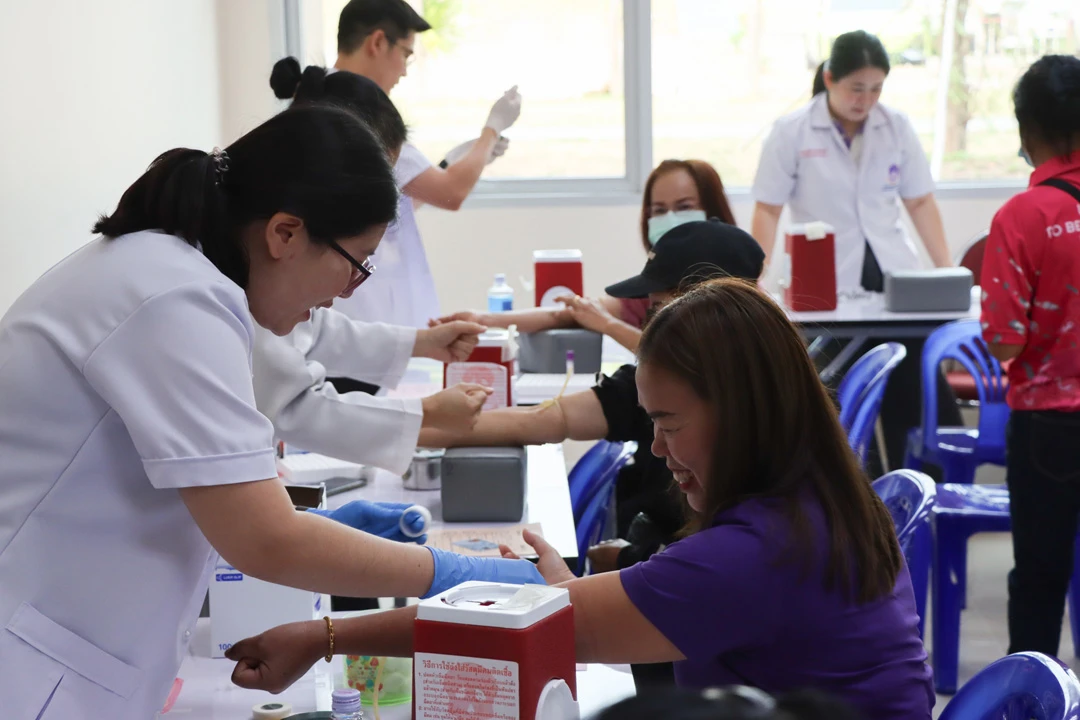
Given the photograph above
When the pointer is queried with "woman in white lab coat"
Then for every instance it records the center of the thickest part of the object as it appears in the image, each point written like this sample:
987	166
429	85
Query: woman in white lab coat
292	387
132	449
847	160
850	161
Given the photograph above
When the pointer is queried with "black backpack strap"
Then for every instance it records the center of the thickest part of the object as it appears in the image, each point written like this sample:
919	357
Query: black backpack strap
1063	186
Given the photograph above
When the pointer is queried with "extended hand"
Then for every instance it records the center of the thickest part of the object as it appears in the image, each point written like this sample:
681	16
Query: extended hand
450	341
587	313
278	657
550	563
455	408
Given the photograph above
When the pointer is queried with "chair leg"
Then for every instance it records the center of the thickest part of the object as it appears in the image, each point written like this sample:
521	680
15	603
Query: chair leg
958	470
919	568
950	550
1074	599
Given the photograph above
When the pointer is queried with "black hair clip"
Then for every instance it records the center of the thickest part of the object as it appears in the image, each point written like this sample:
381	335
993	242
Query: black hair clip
221	164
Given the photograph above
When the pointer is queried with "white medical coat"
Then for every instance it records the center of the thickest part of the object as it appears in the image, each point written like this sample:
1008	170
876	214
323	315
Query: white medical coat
291	388
124	375
402	290
806	165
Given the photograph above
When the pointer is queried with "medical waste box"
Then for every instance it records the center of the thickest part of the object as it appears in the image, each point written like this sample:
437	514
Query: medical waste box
489	651
811	267
557	272
492	363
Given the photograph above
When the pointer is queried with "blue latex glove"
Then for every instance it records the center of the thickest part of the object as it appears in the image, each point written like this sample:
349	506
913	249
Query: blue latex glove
382	519
452	569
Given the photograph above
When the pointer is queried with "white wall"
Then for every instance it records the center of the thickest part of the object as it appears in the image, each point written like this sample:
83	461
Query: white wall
91	93
467	248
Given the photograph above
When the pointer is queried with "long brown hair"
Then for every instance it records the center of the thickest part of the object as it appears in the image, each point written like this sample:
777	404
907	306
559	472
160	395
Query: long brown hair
778	434
709	186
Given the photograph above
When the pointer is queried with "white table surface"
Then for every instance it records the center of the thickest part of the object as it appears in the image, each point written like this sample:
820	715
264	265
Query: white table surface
863	307
208	692
547	499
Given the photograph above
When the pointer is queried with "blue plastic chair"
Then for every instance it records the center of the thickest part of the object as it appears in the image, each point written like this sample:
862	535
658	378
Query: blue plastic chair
858	377
1023	686
872	372
588	471
593	521
910	496
962	511
960	450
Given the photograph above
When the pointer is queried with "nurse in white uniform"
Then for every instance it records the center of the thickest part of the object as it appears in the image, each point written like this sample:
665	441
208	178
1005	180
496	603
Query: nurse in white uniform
292	386
132	449
847	160
376	39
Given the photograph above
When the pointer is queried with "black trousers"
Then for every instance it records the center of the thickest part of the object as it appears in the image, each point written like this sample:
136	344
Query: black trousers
1043	474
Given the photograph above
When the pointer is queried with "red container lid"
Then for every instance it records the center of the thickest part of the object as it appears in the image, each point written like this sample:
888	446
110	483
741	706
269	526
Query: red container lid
497	605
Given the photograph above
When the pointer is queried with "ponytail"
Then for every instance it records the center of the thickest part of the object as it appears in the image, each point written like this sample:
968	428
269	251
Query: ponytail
819	81
319	163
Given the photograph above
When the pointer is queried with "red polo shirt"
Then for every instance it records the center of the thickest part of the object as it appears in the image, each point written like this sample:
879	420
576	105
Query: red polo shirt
1031	289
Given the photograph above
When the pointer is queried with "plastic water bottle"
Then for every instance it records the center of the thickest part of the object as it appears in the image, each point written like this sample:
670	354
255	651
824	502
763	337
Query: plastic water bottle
500	295
345	705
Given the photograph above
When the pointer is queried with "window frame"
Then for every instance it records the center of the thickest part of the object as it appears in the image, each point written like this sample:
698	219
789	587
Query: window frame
638	144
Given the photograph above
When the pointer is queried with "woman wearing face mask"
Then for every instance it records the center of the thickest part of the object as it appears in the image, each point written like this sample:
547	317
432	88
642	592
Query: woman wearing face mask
133	452
788	574
676	192
850	161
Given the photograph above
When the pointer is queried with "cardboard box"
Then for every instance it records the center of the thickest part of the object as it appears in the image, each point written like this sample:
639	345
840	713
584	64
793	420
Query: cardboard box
242	606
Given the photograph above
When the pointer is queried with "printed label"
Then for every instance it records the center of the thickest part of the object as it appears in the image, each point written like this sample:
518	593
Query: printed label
491	375
229	577
453	687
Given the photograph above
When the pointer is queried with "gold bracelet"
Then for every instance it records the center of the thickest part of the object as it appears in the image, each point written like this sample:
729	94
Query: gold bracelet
330	630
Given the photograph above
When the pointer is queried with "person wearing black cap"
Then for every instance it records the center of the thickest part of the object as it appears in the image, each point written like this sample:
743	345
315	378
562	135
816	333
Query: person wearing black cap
648	510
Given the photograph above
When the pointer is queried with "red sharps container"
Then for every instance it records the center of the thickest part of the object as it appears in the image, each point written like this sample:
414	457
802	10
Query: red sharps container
557	272
811	254
488	651
492	363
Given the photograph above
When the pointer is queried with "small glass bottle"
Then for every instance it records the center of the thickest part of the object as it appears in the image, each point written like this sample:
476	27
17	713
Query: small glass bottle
345	705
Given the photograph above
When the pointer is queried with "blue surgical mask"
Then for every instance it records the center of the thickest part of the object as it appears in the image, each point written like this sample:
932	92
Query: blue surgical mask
1027	158
660	224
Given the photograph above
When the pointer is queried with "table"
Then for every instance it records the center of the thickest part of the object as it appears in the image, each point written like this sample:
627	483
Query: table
861	316
209	694
547	499
535	388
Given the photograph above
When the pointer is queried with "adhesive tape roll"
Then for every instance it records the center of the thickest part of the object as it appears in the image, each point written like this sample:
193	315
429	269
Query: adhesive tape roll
424	513
271	711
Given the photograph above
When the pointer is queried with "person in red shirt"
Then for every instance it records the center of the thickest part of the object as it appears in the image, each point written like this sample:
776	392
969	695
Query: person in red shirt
1031	315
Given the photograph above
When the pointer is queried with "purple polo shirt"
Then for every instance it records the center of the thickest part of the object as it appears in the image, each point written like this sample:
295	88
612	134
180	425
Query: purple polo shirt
743	611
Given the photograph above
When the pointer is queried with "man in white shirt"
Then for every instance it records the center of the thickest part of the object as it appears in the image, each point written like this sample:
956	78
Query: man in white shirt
376	39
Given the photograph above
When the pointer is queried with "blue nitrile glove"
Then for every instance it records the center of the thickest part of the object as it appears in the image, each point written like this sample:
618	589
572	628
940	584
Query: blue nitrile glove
452	569
379	518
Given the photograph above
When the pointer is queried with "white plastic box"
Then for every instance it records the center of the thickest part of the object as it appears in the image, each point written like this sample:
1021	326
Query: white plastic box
242	606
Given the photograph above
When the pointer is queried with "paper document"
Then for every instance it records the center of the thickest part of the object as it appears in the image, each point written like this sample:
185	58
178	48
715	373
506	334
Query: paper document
483	541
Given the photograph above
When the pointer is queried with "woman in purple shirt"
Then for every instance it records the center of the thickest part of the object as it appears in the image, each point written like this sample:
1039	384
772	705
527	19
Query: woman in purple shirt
788	574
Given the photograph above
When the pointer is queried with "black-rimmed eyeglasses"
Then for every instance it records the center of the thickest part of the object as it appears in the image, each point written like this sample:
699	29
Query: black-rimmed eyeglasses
361	270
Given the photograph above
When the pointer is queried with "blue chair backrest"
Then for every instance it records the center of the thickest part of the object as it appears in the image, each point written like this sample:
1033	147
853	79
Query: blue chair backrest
588	471
867	405
858	378
593	520
962	341
1024	686
909	496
